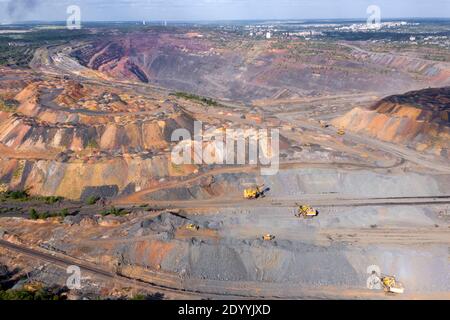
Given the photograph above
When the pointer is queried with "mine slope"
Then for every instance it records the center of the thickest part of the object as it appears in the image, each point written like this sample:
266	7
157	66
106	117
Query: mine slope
418	119
240	69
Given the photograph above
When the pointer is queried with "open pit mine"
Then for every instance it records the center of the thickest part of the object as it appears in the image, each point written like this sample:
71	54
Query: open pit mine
362	187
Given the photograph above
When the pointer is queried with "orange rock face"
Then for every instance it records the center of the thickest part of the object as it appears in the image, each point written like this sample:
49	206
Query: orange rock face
65	136
419	119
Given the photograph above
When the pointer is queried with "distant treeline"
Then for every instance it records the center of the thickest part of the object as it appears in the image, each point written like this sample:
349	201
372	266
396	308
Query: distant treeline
194	97
379	35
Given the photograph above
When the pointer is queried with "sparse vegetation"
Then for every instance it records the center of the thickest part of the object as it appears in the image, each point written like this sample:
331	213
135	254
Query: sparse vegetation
23	294
142	297
23	195
138	297
118	212
91	200
194	97
30	293
34	215
18	195
50	200
9	210
64	213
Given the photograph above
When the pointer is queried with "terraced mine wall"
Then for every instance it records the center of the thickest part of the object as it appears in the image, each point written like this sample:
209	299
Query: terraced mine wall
248	70
418	119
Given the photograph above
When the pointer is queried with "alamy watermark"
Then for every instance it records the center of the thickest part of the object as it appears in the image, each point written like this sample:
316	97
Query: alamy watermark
374	280
374	19
257	147
73	282
73	21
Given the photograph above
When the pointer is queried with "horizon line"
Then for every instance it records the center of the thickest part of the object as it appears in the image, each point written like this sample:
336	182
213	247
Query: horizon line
226	20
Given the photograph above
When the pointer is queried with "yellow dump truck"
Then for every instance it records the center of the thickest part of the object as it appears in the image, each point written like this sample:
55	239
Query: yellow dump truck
391	285
341	132
305	211
192	227
268	237
253	193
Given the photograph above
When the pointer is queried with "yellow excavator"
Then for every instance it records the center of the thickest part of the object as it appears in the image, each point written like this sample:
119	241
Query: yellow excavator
341	132
391	285
305	211
192	227
268	237
254	193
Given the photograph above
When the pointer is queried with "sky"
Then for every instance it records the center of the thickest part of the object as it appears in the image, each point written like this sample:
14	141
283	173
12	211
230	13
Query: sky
121	10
